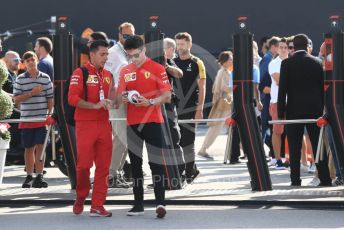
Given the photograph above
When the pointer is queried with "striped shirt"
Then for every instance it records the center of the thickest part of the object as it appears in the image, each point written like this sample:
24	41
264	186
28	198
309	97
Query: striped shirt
36	106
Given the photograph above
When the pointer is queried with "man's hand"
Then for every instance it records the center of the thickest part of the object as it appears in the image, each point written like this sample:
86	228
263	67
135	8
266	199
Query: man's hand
199	114
125	97
142	102
36	90
266	90
259	105
105	104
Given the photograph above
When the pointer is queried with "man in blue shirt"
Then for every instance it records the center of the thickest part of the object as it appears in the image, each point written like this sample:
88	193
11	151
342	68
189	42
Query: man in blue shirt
264	88
43	47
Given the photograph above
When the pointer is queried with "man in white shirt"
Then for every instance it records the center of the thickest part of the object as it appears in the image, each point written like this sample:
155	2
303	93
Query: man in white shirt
274	71
116	60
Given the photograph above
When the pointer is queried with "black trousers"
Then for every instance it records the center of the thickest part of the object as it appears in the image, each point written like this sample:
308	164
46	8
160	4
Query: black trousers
187	142
175	135
235	144
151	134
295	134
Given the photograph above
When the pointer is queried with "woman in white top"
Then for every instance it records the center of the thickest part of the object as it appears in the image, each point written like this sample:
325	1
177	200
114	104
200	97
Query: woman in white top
222	101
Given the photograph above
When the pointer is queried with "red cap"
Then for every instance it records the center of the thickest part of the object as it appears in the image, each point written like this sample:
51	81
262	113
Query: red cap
242	18
62	18
334	17
153	17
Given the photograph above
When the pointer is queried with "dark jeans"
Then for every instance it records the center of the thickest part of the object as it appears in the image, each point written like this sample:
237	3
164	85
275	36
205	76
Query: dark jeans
151	134
265	118
295	134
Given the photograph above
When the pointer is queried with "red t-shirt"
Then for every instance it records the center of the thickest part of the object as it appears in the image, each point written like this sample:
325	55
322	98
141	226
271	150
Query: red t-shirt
150	79
93	83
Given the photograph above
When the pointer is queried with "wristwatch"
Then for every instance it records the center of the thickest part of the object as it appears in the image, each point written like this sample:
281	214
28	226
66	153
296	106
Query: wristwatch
151	101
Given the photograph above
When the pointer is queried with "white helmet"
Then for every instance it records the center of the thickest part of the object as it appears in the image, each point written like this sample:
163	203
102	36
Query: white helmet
133	96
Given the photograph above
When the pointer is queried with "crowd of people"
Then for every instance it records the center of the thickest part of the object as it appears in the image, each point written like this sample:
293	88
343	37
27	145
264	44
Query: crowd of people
284	72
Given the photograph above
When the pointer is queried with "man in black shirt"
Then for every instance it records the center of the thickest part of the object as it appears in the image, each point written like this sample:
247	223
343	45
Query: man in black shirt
190	89
12	61
173	72
302	81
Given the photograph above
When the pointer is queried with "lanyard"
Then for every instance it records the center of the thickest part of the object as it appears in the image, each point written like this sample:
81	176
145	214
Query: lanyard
101	82
100	79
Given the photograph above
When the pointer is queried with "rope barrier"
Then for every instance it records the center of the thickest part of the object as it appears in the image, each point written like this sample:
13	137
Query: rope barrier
114	119
284	122
288	122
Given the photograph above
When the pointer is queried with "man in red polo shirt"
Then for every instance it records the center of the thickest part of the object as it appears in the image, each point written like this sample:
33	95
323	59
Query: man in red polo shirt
93	129
144	120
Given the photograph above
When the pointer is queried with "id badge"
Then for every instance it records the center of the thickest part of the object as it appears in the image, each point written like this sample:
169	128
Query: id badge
101	95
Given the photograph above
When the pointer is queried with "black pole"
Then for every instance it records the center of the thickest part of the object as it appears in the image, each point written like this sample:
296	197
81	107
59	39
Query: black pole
154	45
63	68
334	86
244	112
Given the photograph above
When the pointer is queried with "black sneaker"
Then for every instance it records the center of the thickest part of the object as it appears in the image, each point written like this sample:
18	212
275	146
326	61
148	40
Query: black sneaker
190	180
279	165
137	210
39	182
296	183
234	162
150	186
325	184
337	182
28	182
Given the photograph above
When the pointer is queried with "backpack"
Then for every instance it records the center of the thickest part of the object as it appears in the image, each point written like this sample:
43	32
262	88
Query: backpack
70	110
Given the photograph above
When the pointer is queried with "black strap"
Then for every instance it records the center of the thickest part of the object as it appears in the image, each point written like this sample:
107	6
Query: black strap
85	77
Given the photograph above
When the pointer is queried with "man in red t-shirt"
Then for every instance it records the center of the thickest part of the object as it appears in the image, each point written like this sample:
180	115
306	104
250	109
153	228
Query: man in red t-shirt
144	119
93	129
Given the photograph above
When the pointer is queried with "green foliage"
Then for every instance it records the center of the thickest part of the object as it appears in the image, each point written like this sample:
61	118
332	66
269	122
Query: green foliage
3	73
6	105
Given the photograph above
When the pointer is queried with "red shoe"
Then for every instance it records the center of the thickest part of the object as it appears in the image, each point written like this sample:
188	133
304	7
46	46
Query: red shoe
99	212
160	211
78	206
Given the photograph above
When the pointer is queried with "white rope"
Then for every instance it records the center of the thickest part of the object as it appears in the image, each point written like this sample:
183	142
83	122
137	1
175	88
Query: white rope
287	122
201	120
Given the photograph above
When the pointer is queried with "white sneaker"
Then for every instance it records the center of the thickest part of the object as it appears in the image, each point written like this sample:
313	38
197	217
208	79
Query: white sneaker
314	182
312	168
304	168
273	162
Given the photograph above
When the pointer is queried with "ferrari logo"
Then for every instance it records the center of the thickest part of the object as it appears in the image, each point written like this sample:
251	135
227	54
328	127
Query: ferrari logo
107	80
147	75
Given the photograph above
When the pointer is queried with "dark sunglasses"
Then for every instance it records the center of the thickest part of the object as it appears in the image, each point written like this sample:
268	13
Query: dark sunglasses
291	47
16	59
126	36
